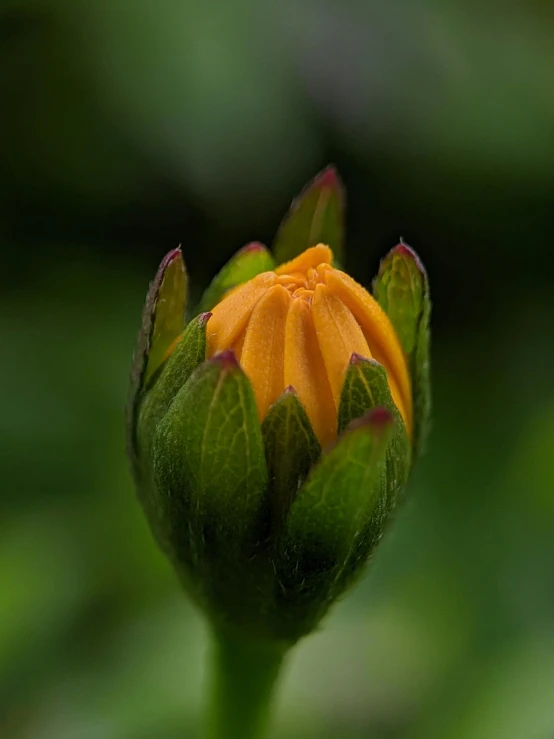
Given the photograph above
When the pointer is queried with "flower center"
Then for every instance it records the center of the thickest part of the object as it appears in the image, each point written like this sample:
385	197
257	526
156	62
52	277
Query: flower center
302	284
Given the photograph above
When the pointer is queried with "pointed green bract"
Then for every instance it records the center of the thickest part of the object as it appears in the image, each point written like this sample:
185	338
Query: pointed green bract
211	478
189	352
365	388
335	521
162	321
251	260
209	448
154	404
316	217
402	290
168	313
291	448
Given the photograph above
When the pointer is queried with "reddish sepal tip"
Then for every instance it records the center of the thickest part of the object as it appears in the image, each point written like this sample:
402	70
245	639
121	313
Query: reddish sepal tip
173	254
379	417
169	258
403	250
328	177
359	358
253	246
226	359
376	419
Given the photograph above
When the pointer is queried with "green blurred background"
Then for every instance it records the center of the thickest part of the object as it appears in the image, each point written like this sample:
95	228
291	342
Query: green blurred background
129	127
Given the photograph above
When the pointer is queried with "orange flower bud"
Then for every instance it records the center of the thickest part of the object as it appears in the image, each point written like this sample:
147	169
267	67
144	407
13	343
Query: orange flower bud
299	326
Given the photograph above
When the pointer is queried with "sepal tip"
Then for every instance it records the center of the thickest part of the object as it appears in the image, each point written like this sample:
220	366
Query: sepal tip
405	250
226	359
252	247
377	419
328	177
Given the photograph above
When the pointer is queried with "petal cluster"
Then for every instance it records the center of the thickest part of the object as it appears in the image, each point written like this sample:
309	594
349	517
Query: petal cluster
299	326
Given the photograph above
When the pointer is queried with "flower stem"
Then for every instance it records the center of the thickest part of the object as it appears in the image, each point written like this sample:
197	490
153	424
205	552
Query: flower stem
244	676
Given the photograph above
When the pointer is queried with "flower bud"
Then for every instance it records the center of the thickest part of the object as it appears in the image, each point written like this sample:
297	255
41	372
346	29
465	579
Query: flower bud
272	436
299	326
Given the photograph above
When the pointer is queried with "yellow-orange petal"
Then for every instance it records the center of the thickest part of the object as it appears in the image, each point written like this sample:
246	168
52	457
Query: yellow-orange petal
238	344
305	371
312	257
263	351
229	318
339	336
380	335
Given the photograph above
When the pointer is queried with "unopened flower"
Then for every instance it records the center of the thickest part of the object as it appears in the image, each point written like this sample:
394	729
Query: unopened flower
272	435
298	327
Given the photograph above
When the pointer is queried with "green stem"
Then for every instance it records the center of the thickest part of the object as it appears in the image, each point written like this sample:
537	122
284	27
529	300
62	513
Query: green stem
244	676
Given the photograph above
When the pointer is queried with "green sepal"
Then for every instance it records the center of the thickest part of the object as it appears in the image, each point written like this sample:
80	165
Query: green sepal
316	216
168	315
154	404
211	478
162	321
366	387
248	262
291	448
402	289
189	352
335	522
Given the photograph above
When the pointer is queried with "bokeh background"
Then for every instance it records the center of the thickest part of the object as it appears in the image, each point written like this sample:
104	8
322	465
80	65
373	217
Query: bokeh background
129	127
